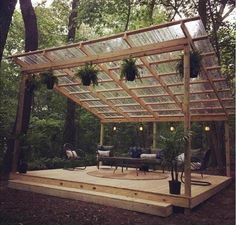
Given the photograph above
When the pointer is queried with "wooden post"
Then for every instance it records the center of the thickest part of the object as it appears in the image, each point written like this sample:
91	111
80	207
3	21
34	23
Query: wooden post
101	134
19	117
227	149
187	151
154	137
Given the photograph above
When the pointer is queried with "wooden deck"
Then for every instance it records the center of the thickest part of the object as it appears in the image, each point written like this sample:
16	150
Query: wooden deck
148	196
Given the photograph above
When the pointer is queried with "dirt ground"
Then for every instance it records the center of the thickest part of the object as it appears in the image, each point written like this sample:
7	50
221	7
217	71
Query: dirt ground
25	208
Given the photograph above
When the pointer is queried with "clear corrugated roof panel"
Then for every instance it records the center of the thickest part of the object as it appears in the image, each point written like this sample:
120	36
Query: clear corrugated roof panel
195	28
203	46
107	46
171	79
157	35
61	54
34	59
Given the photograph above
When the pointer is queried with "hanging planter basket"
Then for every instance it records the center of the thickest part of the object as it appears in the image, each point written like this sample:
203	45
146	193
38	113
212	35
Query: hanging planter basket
195	65
49	79
88	74
129	69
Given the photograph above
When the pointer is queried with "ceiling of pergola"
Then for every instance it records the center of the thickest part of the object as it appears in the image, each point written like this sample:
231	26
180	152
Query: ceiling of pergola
159	94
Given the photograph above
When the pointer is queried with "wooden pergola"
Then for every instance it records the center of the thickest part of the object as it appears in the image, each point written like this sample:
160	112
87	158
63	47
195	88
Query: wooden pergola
160	94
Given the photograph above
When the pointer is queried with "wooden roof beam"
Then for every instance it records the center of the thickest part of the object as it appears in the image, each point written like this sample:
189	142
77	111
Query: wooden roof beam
171	118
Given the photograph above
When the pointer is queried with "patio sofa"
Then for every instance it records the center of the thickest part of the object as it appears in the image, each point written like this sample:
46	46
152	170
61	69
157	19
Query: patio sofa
138	158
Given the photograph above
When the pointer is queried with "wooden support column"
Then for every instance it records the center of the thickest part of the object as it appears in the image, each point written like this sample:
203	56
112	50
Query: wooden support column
154	137
101	134
19	117
227	149
187	151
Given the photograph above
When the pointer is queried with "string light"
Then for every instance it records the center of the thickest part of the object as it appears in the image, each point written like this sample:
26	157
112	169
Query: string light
141	128
207	128
114	128
172	128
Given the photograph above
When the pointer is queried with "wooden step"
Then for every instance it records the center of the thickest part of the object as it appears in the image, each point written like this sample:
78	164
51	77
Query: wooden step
130	203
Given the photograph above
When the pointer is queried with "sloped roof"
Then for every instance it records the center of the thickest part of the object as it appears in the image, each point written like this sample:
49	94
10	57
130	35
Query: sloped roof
158	96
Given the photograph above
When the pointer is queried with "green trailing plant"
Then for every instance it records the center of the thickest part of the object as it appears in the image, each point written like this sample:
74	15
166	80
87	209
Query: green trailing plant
129	69
195	64
88	74
49	79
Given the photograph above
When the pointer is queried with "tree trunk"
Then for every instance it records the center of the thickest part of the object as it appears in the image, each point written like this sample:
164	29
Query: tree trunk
150	9
69	135
7	8
202	10
26	96
128	15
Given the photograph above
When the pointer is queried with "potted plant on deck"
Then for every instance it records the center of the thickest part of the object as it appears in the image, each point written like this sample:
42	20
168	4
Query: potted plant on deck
173	146
195	64
49	79
129	69
88	74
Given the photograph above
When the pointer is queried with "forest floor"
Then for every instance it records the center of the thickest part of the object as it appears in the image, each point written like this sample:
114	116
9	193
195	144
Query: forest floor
25	208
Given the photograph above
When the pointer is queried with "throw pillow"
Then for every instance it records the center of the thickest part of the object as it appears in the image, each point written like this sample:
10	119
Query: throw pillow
69	154
148	156
104	153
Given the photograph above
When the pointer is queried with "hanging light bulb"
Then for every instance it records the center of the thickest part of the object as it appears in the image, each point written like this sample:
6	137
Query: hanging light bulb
114	128
172	128
207	128
141	128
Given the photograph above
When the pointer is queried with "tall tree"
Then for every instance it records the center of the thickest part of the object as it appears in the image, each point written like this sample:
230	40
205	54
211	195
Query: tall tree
26	91
7	8
69	134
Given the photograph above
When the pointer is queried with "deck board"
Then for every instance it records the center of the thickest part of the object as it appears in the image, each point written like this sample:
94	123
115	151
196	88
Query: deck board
156	190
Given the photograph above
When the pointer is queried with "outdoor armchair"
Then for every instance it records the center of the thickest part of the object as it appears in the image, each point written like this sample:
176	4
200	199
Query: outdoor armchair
75	154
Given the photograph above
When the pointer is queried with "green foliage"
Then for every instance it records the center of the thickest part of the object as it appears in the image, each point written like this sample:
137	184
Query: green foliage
226	36
129	69
88	74
88	134
58	163
9	81
44	137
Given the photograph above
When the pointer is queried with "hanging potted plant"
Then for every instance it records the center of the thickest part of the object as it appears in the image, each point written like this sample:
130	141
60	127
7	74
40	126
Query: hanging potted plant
129	69
195	64
88	74
173	147
49	79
